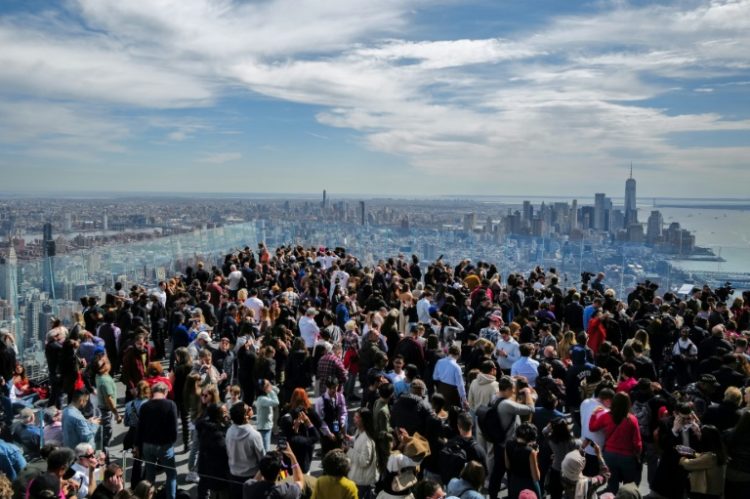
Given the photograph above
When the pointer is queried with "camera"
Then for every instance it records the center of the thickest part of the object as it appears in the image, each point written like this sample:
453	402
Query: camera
586	277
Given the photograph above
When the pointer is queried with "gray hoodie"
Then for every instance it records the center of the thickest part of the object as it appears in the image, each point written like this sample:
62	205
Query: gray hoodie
245	449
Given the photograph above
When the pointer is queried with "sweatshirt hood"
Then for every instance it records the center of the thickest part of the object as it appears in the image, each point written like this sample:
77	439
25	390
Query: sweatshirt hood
485	379
238	432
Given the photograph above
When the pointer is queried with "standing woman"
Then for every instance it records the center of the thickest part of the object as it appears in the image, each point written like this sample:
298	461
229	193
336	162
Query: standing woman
79	327
213	460
706	468
178	377
622	444
246	360
298	372
132	410
364	461
522	461
299	425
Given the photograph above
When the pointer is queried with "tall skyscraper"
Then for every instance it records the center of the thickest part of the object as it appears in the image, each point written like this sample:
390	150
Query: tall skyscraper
48	267
655	224
362	212
599	201
470	221
631	210
9	289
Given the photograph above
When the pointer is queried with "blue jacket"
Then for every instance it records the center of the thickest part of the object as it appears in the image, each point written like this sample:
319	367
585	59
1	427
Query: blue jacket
77	429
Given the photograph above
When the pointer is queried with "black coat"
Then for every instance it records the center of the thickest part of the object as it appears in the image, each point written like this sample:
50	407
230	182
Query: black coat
213	461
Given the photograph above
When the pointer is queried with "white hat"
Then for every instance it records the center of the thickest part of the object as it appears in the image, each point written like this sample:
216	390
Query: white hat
204	336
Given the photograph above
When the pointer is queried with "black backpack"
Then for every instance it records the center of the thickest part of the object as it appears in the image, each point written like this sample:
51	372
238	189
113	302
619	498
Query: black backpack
451	459
489	422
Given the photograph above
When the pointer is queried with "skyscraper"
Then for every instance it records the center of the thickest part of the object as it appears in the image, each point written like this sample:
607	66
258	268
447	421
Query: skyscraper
655	224
599	201
48	269
631	211
362	212
9	289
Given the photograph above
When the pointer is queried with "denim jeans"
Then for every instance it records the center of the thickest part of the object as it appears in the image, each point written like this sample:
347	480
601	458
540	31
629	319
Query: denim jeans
164	456
624	469
266	435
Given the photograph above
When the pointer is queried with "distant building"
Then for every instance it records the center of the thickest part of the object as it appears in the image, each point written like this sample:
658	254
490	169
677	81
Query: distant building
470	221
362	213
631	210
48	272
655	224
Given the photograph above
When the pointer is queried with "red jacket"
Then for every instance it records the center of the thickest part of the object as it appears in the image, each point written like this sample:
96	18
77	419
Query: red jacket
597	334
623	438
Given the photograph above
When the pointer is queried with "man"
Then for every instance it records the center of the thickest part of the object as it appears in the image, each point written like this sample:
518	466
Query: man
155	436
76	428
12	461
410	348
526	366
546	339
85	469
27	433
329	325
51	483
330	365
254	303
603	395
508	411
308	328
244	447
449	379
331	408
224	361
464	447
588	312
268	486
507	350
234	278
382	425
111	484
134	362
200	342
423	307
598	284
107	396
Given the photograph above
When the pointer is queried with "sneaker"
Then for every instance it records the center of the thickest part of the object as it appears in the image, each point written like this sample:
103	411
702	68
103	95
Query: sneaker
192	477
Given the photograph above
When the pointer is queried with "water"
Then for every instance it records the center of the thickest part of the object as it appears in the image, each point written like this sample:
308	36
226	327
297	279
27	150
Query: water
727	232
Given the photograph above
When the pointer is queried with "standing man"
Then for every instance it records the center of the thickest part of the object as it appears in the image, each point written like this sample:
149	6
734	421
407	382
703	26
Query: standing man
449	379
244	447
309	329
134	362
507	350
76	429
155	436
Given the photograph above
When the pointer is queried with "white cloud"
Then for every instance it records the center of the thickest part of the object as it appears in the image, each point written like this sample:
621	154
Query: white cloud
220	158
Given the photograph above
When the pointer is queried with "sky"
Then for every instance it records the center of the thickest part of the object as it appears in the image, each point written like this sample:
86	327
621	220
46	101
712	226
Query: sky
410	97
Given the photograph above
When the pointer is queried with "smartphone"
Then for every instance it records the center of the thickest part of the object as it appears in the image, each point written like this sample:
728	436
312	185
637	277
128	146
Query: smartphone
282	445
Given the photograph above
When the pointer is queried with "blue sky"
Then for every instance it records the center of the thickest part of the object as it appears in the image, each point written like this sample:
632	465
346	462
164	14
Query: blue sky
539	97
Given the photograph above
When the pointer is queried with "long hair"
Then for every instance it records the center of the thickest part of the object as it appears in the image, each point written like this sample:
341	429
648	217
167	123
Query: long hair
620	407
299	399
711	441
368	422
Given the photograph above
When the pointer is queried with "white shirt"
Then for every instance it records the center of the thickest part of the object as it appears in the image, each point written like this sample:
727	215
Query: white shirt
588	407
510	347
309	330
82	476
423	310
255	304
234	278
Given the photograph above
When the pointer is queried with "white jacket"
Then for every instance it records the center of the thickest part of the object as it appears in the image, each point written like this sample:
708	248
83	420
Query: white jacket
364	469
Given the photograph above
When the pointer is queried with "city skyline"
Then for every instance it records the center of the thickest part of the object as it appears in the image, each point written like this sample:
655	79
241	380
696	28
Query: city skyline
401	98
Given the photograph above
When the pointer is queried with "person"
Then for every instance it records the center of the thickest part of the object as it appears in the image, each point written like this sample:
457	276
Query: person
574	482
27	433
299	425
738	453
156	435
333	483
622	444
266	483
469	483
526	366
561	441
382	425
51	483
52	433
602	398
308	328
76	428
706	468
522	461
179	378
362	454
265	404
213	461
107	398
130	418
245	447
509	411
144	490
449	380
12	460
85	468
331	409
134	362
111	484
155	374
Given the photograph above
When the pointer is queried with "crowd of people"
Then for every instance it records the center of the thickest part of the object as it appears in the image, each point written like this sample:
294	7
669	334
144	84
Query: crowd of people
405	380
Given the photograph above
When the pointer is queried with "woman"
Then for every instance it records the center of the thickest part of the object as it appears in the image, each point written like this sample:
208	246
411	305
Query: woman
209	395
298	368
622	445
264	408
132	408
334	484
432	355
627	378
144	490
246	360
522	461
469	484
299	425
706	468
738	451
78	328
566	344
561	441
22	392
178	378
364	461
213	460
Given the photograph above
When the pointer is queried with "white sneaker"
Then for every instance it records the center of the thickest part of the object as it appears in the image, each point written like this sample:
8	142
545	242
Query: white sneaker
192	477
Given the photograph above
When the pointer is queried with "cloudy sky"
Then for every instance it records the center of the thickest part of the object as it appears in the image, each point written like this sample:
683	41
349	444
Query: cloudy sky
541	97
